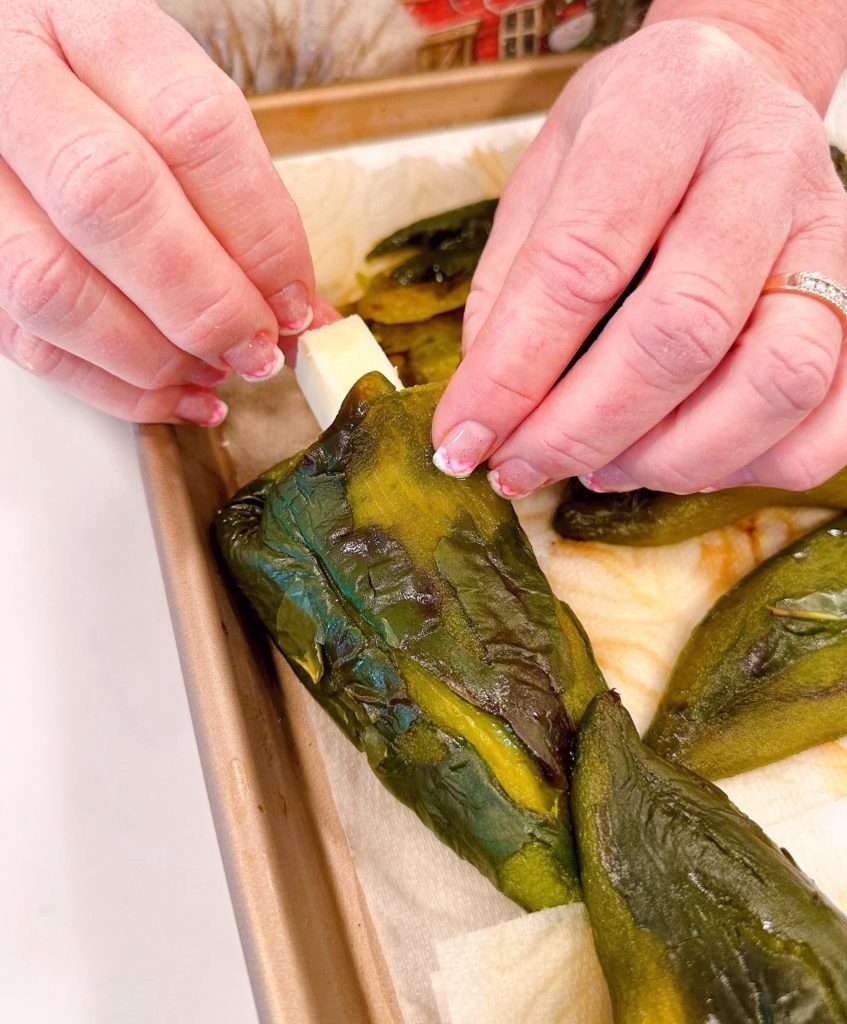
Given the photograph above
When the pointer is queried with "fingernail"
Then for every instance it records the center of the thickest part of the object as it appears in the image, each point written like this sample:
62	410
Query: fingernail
293	310
516	478
463	449
206	376
206	410
609	478
257	359
590	483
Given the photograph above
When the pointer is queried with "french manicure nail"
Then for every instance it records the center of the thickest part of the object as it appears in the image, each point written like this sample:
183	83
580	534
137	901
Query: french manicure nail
609	478
293	309
204	409
516	478
590	483
463	449
257	359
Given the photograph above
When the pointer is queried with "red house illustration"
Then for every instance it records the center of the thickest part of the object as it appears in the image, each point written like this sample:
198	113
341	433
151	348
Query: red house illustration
461	32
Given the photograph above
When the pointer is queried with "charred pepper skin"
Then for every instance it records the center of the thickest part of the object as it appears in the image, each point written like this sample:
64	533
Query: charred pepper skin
450	243
646	518
764	675
698	918
415	310
412	608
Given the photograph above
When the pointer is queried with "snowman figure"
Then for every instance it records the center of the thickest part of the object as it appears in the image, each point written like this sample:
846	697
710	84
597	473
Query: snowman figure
573	23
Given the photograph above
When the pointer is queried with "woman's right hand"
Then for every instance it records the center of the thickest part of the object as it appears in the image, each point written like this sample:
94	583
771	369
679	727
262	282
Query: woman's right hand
147	245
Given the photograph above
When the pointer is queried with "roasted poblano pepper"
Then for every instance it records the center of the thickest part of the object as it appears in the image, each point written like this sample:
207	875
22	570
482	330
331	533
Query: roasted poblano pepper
415	310
388	302
764	675
645	518
840	161
411	606
424	352
698	918
449	244
463	224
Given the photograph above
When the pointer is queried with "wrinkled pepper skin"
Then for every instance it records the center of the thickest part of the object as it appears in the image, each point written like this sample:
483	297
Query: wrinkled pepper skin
450	244
388	302
698	918
412	608
463	224
645	518
425	352
764	675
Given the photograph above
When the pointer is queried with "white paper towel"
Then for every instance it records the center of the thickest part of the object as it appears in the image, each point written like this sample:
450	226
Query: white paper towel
458	951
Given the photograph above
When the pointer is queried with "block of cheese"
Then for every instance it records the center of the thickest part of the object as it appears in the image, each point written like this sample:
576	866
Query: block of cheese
331	359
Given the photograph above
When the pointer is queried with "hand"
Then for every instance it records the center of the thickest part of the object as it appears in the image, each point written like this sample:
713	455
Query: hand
147	245
675	140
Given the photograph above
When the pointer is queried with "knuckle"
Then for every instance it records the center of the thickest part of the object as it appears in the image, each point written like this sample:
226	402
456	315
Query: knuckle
192	116
98	182
794	380
803	149
39	276
213	323
825	226
802	472
268	256
561	450
676	341
148	407
496	384
38	357
576	273
805	137
163	374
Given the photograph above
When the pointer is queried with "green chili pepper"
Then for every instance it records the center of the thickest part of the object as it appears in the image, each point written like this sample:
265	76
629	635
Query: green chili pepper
424	352
388	302
764	675
645	518
698	918
412	608
460	226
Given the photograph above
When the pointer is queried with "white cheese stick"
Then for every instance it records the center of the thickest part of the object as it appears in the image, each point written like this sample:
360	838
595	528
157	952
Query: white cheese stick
331	359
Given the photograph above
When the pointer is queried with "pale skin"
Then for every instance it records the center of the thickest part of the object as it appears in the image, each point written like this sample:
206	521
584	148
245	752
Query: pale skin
701	136
148	247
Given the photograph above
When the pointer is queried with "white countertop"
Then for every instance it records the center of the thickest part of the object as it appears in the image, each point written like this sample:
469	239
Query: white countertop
113	903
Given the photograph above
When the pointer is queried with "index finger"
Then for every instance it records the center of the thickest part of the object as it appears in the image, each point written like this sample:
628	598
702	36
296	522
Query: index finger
198	121
606	207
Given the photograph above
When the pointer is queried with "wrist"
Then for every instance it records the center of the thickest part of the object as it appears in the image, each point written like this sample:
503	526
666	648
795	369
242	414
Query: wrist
804	45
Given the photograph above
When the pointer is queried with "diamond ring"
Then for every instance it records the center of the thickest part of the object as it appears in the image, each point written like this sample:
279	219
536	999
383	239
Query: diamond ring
816	286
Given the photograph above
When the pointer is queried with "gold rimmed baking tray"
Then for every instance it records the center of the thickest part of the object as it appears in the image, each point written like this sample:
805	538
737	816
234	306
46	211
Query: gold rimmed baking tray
310	946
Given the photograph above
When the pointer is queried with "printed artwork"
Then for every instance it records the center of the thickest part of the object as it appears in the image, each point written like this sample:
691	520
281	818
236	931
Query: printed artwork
462	32
268	45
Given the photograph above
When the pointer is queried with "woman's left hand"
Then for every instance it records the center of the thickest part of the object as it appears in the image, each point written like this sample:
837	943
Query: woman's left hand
676	141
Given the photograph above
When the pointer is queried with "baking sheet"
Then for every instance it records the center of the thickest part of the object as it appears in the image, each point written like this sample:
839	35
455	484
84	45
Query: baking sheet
450	947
